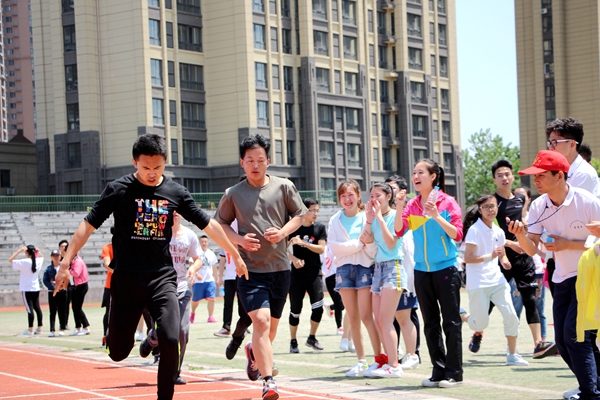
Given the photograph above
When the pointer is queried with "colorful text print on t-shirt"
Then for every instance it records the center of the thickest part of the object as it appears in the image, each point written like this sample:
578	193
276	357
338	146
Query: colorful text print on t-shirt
179	253
151	218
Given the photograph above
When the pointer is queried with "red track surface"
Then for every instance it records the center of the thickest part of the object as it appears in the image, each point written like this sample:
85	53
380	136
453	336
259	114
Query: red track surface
27	373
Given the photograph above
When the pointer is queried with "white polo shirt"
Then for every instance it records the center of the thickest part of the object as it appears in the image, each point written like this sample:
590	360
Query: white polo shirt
568	221
584	176
487	273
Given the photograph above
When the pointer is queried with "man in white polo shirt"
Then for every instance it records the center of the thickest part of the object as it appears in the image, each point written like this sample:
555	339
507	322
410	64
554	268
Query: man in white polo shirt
563	212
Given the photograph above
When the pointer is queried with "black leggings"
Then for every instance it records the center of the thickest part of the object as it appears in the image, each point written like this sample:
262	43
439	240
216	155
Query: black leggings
79	293
338	305
32	304
299	287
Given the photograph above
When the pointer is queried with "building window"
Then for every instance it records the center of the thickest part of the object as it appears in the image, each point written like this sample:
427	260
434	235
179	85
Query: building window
546	23
191	77
154	29
375	158
435	130
259	37
548	50
154	3
327	183
433	67
190	38
446	131
448	163
419	154
158	117
434	97
277	114
174	152
414	25
71	77
339	119
387	158
418	127
69	38
321	46
326	153
289	115
189	6
74	155
169	29
286	41
337	82
350	50
285	8
336	45
444	66
385	125
417	92
442	34
354	155
260	72
288	79
415	58
550	115
194	153
381	23
68	6
275	76
257	5
383	59
192	115
374	124
156	72
75	188
323	80
370	20
325	116
320	9
291	152
373	90
352	119
371	55
334	10
431	33
384	95
549	90
73	117
442	6
349	12
171	73
196	185
172	113
445	99
351	83
262	113
5	178
274	41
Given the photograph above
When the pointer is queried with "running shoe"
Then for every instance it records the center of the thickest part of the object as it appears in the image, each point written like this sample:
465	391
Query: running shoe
294	346
329	311
37	332
344	344
75	332
51	334
148	344
449	383
251	367
340	331
544	349
83	332
27	333
270	390
351	347
314	343
61	333
516	360
180	381
430	383
211	319
192	318
223	333
357	370
569	393
380	360
410	362
232	347
387	371
475	343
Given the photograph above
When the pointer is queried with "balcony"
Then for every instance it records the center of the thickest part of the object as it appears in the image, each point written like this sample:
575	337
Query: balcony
389	38
391	108
388	5
392	75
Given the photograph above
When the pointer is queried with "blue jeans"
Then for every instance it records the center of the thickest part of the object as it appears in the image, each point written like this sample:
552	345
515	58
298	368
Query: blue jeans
540	300
578	356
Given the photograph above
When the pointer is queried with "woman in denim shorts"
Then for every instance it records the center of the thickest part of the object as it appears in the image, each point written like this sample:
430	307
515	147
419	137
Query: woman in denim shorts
389	277
353	251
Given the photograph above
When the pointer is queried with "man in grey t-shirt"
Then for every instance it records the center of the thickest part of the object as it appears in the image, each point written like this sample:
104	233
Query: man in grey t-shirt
268	209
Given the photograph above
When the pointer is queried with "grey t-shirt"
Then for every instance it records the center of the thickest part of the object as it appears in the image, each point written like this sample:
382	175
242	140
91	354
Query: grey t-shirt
257	209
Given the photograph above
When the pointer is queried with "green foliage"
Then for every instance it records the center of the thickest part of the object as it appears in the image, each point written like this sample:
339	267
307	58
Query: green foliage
596	164
483	150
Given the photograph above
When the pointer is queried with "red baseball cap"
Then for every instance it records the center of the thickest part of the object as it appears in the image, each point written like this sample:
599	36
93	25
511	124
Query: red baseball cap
547	160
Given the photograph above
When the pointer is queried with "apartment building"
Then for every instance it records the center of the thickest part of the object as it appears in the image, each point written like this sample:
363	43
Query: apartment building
18	76
4	124
344	89
558	66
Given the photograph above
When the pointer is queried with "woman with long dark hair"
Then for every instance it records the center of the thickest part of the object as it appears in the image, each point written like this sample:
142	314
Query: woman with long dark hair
29	284
79	272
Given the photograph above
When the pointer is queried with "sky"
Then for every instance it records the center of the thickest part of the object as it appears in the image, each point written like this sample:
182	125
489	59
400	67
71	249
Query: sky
487	69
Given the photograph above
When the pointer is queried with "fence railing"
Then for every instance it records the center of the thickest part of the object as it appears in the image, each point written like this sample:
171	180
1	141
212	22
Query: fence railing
85	202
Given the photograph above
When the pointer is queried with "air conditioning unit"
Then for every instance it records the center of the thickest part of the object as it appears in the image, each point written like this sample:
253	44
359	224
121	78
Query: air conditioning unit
544	11
10	191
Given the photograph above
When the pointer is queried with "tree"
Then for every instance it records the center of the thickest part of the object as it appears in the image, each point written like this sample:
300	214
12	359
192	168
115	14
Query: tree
596	164
485	149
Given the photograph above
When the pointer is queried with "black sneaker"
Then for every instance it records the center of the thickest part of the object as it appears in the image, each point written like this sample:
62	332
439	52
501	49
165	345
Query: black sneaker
314	343
148	344
270	390
475	344
544	349
232	347
251	367
294	347
156	360
180	381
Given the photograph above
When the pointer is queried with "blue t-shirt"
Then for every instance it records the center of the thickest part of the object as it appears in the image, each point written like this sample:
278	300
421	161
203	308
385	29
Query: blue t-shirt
383	252
353	225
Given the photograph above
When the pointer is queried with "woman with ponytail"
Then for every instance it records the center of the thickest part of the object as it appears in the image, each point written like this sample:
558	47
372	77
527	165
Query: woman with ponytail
29	284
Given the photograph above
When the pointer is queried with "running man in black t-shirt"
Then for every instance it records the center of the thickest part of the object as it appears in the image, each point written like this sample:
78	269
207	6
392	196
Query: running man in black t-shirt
143	204
308	244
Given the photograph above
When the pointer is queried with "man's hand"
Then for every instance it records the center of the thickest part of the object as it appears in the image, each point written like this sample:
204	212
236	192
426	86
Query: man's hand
558	244
190	276
274	235
62	278
401	199
505	263
250	242
517	228
514	246
297	241
298	263
594	228
240	267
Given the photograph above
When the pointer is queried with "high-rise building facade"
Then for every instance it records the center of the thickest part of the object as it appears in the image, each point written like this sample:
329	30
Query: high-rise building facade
18	75
4	124
558	66
344	89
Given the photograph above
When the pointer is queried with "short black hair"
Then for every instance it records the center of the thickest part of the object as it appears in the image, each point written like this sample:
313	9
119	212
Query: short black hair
399	180
203	237
500	164
254	142
63	241
567	128
149	144
310	202
585	151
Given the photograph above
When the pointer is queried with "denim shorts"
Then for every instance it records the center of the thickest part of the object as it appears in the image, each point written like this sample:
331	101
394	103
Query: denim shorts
389	275
350	276
407	301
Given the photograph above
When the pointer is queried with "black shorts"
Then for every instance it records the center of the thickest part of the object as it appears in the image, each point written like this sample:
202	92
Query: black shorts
267	290
522	270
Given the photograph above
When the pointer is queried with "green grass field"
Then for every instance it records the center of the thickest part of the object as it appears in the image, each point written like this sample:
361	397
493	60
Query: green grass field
485	373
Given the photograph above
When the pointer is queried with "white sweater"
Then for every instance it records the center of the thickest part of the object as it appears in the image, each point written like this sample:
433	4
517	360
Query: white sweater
346	250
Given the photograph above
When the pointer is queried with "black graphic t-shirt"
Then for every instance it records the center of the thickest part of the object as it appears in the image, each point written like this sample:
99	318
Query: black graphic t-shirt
312	261
513	209
143	220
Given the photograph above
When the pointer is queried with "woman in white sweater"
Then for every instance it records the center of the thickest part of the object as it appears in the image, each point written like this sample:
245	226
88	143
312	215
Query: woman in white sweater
353	251
29	283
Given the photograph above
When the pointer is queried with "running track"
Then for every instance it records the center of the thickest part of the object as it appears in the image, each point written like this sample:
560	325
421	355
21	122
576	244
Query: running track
27	374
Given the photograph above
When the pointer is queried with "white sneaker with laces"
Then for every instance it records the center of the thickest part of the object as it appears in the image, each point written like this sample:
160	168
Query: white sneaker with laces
61	333
369	372
75	332
84	332
358	370
569	393
51	334
516	360
344	344
351	347
27	332
387	371
400	352
410	362
340	331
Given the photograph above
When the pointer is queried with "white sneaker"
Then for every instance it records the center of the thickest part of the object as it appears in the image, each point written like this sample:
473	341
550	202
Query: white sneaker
27	333
344	344
387	371
75	332
410	362
569	393
351	347
51	334
357	370
340	331
61	333
139	336
83	332
369	372
516	360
